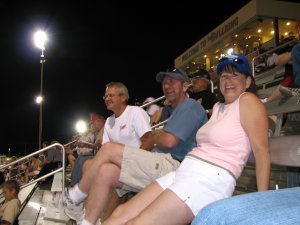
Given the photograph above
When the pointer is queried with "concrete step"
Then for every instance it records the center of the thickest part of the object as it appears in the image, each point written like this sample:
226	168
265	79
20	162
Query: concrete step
54	214
47	222
57	182
33	209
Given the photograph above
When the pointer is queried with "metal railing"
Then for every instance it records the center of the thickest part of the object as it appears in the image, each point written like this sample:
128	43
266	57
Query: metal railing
152	102
46	175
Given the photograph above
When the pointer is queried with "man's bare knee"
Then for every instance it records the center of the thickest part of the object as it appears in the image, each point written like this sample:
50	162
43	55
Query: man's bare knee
109	173
111	152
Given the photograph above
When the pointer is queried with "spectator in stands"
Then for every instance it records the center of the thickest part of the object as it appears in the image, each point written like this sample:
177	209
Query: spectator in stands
78	148
151	109
271	57
162	114
6	174
291	83
33	168
210	171
14	169
42	156
296	62
128	125
2	178
131	169
284	58
53	162
201	92
11	207
97	128
260	64
98	123
270	207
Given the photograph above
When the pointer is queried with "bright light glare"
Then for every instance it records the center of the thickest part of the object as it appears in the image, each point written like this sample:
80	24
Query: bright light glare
40	39
81	126
39	99
230	51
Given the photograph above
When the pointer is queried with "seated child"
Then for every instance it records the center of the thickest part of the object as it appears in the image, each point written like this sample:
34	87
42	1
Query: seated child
11	207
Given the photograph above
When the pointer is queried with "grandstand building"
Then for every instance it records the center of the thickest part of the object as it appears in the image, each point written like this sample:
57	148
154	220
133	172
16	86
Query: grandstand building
256	27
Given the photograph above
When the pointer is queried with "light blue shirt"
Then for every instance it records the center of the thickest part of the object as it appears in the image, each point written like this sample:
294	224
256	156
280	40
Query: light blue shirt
184	123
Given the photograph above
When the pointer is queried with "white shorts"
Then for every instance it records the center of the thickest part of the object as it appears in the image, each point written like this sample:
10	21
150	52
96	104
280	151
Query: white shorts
198	183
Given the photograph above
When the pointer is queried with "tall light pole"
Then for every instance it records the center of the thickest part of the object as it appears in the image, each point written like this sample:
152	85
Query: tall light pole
40	39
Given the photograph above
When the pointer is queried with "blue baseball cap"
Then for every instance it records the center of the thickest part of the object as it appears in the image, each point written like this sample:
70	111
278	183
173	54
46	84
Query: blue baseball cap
175	73
239	61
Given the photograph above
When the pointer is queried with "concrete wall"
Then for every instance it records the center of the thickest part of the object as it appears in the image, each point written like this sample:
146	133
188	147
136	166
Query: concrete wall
247	182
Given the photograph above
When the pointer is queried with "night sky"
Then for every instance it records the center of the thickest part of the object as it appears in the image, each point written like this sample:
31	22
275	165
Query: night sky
89	46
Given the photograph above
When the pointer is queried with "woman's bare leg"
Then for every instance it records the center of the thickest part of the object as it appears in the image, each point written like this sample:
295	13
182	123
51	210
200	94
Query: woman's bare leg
167	209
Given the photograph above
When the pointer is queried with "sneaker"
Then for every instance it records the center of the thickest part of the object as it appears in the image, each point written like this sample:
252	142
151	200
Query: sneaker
75	212
98	222
57	200
286	91
79	222
79	218
72	210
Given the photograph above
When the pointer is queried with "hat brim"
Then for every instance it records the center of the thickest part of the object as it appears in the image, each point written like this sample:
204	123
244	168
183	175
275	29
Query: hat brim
200	78
240	67
160	76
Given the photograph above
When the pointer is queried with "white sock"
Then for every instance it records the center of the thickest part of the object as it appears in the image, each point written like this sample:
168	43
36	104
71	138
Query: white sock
85	222
76	195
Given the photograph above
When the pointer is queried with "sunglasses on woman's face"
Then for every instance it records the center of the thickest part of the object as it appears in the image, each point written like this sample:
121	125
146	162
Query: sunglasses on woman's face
234	60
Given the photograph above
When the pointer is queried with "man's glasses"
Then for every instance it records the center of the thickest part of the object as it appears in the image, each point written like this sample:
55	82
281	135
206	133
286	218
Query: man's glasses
234	60
110	96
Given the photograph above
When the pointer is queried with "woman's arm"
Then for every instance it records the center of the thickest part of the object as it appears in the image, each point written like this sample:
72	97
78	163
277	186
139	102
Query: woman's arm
254	120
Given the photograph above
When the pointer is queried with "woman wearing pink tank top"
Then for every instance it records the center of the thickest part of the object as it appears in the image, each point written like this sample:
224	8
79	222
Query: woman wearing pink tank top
238	125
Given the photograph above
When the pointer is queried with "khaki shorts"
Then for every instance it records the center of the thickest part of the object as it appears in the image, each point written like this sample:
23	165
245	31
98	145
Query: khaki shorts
139	168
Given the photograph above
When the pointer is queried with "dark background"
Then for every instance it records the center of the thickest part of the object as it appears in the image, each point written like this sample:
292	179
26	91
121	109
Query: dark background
88	46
